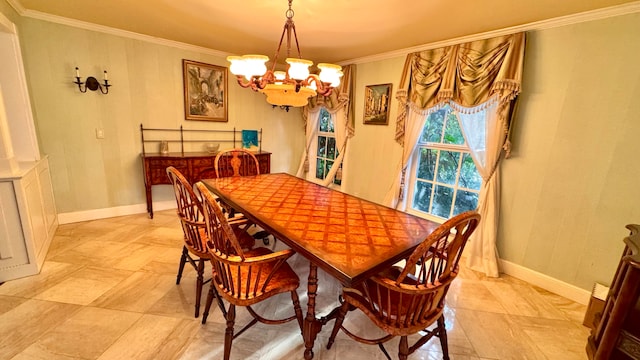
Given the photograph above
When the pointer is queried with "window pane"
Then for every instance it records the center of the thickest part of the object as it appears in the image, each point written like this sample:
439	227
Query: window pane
433	128
442	200
452	132
465	201
422	196
427	163
448	167
324	120
469	177
320	168
328	164
322	146
331	148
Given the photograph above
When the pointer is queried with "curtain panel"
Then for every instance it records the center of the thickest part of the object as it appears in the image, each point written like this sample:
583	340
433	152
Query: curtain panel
480	75
340	106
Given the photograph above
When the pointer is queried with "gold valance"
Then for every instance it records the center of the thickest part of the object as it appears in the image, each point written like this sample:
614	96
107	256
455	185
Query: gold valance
468	73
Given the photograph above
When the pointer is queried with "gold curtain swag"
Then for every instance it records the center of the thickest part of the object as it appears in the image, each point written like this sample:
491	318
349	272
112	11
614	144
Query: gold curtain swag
468	74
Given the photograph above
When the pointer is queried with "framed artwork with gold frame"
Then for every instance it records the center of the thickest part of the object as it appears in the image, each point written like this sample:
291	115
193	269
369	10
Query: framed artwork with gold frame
205	91
376	104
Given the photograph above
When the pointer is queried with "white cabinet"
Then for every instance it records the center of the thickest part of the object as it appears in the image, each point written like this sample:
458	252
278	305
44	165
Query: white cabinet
28	219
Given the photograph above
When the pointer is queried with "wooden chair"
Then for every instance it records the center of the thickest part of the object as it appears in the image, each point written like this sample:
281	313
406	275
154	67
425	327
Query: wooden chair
195	236
244	278
402	303
240	162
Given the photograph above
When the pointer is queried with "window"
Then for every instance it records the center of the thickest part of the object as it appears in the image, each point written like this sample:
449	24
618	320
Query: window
445	181
327	151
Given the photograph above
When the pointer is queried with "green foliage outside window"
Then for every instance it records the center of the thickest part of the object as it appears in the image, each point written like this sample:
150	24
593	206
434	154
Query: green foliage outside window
327	150
446	179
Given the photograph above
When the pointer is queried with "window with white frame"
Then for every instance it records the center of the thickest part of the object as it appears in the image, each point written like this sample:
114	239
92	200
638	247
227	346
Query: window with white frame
444	180
325	146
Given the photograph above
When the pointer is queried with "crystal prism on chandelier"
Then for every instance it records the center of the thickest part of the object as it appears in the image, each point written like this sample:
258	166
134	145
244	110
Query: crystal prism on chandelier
293	87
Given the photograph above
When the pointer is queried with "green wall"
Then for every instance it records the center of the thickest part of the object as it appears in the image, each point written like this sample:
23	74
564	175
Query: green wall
572	183
90	173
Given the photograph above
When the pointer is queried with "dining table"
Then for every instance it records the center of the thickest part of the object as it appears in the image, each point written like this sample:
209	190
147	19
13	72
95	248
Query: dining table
348	237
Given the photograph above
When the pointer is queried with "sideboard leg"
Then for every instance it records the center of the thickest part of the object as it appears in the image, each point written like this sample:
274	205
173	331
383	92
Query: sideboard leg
149	201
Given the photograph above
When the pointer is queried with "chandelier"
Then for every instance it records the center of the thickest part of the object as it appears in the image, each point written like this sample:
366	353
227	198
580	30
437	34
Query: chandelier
293	87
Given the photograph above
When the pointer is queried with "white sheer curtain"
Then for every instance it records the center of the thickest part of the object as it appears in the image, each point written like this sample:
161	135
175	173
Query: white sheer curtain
396	196
310	132
485	138
340	127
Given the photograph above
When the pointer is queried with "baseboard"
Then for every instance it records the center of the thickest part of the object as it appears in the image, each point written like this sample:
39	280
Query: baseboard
78	216
546	282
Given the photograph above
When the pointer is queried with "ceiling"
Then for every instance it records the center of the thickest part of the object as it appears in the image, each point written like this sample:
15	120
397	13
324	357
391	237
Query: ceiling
328	31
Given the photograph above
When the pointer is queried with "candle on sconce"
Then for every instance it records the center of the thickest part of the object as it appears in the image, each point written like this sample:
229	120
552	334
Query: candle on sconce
105	75
77	72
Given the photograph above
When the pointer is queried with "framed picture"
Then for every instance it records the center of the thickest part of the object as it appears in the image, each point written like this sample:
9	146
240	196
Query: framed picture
205	91
376	104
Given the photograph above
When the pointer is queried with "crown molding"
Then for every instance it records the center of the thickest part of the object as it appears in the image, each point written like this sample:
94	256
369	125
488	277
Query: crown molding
618	10
592	15
113	31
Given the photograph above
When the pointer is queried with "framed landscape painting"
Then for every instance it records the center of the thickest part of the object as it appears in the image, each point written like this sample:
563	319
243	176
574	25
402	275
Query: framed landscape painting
376	104
205	91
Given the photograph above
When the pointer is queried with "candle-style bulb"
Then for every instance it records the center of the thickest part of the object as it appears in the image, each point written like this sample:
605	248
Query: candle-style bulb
77	72
105	75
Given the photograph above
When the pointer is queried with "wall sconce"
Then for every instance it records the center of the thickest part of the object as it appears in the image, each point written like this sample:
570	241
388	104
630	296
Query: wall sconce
92	83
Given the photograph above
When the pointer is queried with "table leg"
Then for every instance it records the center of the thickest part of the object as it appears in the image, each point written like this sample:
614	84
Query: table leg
311	324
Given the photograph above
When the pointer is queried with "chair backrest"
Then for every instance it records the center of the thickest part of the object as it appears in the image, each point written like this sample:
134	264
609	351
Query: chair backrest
189	211
240	279
405	302
236	162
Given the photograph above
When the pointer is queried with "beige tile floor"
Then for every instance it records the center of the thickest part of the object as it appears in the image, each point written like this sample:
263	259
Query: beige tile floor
107	291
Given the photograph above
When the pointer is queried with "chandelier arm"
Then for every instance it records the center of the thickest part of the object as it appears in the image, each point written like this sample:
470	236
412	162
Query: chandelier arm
322	88
256	82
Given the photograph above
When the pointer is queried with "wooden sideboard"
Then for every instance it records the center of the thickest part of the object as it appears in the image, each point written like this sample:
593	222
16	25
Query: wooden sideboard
195	166
617	332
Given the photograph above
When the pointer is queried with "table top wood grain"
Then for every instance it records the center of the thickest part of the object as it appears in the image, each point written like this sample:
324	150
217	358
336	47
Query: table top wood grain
346	236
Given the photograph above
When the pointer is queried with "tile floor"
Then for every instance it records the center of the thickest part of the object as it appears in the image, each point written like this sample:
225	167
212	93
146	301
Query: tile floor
107	291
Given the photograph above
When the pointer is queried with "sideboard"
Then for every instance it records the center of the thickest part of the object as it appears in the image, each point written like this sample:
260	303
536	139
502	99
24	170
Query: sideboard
195	166
617	332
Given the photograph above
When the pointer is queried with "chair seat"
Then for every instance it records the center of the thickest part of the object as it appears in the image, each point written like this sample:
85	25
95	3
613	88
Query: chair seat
284	279
244	238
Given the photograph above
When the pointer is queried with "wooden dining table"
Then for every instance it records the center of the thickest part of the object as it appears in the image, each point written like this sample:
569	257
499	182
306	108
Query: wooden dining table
348	237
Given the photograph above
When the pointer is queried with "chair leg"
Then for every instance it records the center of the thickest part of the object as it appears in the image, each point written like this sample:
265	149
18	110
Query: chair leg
403	352
183	260
228	335
207	306
442	334
199	282
336	327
